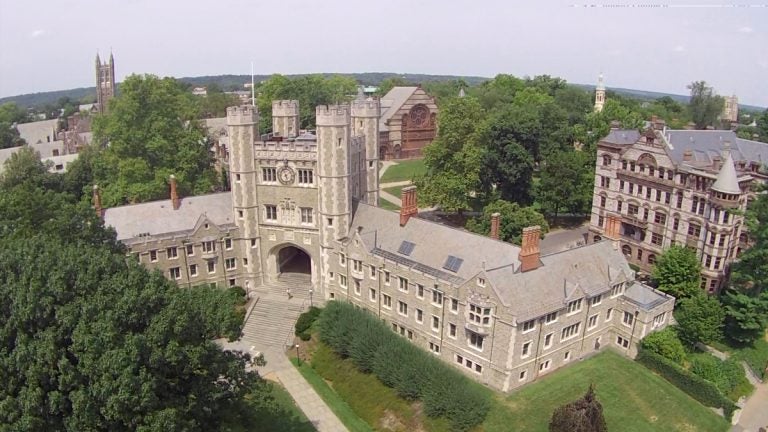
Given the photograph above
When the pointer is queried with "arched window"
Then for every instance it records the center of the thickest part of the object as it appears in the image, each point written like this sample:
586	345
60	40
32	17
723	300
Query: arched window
626	250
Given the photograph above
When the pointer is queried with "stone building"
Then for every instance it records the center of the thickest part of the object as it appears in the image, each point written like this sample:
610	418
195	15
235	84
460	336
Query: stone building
105	82
684	187
408	123
303	209
599	94
730	109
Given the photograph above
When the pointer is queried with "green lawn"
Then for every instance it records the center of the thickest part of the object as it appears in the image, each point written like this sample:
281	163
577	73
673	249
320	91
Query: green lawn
276	412
388	205
403	171
634	400
338	405
376	404
395	190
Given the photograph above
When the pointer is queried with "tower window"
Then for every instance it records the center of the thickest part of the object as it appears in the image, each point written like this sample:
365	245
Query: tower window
306	176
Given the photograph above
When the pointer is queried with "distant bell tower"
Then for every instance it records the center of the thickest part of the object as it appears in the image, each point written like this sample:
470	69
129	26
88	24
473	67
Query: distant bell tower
599	94
105	82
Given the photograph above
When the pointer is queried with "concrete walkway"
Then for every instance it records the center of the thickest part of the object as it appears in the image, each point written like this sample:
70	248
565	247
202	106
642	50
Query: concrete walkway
754	415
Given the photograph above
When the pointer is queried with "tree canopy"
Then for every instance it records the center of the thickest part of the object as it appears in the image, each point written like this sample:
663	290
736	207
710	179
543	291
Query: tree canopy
705	105
677	271
512	220
10	114
566	183
699	318
153	132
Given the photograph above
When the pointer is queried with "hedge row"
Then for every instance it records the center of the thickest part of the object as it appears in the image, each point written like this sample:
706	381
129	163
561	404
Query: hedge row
695	386
303	327
756	357
415	374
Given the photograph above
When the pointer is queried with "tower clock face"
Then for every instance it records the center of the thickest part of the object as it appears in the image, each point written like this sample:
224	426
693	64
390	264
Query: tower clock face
286	175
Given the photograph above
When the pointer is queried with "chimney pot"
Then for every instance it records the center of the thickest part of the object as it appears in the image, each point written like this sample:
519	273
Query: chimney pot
530	255
495	222
408	206
174	193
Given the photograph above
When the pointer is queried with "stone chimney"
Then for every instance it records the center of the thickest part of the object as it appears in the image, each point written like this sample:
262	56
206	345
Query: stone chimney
495	222
174	194
97	201
687	155
530	254
408	207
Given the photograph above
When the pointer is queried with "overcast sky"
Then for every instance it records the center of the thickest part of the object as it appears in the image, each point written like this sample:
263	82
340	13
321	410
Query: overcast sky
50	45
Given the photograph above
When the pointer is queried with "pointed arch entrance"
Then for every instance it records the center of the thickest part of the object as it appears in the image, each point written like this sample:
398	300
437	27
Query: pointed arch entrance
291	266
294	261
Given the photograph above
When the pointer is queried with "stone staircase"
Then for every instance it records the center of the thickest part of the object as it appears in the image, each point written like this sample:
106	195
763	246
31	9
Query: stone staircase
271	322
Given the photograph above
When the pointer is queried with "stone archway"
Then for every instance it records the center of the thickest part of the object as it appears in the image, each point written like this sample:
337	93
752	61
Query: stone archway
292	260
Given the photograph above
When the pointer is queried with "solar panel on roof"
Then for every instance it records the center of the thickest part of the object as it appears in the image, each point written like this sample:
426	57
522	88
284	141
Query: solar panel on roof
452	263
406	248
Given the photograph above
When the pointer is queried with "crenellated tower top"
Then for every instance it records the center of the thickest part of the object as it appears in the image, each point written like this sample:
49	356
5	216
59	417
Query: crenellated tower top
285	108
242	115
366	108
332	115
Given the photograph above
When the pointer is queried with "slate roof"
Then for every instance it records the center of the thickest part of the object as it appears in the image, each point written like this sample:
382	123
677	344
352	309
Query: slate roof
564	276
159	217
645	296
391	102
708	144
382	234
622	136
38	131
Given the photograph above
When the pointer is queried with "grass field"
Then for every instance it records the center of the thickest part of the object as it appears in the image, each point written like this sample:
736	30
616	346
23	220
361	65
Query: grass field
634	400
338	405
387	205
403	171
277	412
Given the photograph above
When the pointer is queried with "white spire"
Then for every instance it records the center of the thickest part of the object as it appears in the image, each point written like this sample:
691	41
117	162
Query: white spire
727	179
600	85
599	94
461	93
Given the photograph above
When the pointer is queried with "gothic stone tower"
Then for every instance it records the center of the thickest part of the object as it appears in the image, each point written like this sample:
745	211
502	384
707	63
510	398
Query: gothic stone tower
105	82
365	123
243	124
285	118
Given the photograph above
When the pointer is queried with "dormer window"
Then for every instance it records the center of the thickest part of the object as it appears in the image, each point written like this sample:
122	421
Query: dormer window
480	282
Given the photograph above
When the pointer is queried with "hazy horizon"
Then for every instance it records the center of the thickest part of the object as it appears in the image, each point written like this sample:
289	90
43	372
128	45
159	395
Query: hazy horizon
662	49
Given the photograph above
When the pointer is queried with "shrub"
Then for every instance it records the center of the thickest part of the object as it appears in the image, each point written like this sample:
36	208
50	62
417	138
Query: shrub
726	375
237	292
303	325
666	344
697	387
411	371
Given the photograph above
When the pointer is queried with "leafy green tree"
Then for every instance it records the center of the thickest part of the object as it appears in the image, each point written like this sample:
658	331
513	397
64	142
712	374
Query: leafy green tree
566	183
699	319
705	105
677	272
762	126
513	219
103	344
497	92
453	159
215	103
666	344
582	415
10	115
153	132
750	272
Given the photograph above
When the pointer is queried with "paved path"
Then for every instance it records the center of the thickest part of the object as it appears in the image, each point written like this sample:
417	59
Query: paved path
391	198
755	412
395	184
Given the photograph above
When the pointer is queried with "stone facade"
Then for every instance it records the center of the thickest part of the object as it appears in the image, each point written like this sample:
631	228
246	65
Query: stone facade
502	314
664	185
730	109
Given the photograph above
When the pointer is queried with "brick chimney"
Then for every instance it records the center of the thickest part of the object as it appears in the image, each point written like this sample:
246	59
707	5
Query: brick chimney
408	207
530	254
174	194
97	201
612	227
495	222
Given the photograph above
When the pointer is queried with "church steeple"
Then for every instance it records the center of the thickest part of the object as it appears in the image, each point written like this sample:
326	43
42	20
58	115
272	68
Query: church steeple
599	94
105	82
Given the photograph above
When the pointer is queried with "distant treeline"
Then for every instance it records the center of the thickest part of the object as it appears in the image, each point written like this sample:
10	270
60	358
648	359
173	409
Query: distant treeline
236	82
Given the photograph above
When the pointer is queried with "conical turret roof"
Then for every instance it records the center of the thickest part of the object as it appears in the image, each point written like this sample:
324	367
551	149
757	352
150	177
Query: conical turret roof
727	179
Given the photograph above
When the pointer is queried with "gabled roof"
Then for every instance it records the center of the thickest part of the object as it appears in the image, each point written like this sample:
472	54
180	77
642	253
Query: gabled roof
382	234
391	102
39	131
706	145
159	217
563	277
